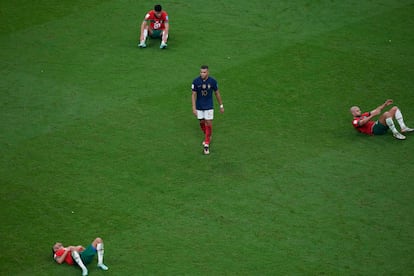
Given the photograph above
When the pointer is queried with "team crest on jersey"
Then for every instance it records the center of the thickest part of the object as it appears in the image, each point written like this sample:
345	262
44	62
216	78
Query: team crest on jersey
204	86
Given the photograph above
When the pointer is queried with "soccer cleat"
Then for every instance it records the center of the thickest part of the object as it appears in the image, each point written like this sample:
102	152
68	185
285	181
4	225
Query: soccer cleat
206	149
142	45
399	136
103	267
407	129
163	45
84	272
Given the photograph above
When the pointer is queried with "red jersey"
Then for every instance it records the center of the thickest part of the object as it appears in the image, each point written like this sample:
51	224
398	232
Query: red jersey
367	128
68	258
157	23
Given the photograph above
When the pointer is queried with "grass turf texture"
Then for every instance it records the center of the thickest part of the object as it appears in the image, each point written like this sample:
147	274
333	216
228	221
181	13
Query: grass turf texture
94	125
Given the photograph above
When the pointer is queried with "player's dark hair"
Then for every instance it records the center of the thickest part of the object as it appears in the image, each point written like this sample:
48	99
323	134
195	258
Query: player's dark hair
204	67
157	8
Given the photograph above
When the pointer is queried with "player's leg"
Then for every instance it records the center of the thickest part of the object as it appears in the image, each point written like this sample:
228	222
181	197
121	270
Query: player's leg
206	143
201	116
209	115
159	34
202	122
76	257
399	117
387	119
99	246
209	131
96	242
164	39
203	125
95	248
143	38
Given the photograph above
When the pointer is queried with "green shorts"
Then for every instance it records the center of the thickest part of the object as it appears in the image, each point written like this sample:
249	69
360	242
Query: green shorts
88	254
156	33
379	129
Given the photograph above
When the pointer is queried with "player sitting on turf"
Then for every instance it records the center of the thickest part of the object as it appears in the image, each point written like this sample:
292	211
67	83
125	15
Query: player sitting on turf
363	123
158	27
80	255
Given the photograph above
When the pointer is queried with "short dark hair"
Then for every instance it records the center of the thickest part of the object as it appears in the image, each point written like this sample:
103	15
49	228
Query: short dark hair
157	8
204	67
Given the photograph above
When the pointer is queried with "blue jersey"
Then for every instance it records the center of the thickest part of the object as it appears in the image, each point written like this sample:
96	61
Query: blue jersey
204	90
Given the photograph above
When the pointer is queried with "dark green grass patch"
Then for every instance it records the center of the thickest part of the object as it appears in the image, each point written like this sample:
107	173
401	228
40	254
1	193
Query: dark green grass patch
97	138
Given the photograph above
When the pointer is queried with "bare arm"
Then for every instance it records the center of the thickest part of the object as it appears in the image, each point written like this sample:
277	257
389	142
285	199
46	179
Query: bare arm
193	102
375	112
366	119
378	110
220	101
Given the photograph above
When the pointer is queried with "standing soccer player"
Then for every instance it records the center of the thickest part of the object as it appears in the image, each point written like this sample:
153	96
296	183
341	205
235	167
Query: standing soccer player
155	25
203	88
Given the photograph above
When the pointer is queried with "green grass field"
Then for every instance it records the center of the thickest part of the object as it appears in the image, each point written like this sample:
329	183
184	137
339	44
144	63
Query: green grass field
97	138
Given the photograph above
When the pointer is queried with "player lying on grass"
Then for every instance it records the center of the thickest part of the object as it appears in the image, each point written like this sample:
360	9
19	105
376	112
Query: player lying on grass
363	121
80	255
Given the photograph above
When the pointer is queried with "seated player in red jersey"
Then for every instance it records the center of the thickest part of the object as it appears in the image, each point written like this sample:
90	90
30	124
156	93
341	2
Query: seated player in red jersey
363	121
80	255
155	25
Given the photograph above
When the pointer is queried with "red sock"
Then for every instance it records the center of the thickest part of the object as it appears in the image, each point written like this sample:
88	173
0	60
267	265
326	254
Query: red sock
209	130
203	126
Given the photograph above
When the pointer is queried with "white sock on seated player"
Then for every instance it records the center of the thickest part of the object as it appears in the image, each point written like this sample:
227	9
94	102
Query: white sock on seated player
78	260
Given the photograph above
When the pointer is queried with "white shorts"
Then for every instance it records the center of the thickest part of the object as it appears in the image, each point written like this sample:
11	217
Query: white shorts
205	114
